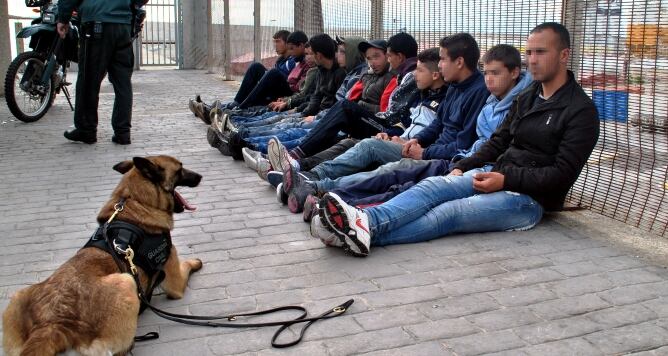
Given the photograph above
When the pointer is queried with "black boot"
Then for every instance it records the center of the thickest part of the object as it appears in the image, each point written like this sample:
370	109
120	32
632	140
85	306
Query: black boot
80	136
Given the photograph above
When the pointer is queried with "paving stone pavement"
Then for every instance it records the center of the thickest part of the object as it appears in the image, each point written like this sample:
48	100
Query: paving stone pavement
548	291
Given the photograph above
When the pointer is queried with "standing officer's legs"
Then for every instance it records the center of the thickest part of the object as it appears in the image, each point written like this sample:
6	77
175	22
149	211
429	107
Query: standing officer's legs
120	74
93	61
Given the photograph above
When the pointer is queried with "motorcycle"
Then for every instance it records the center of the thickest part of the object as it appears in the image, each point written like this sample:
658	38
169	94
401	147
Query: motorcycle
34	78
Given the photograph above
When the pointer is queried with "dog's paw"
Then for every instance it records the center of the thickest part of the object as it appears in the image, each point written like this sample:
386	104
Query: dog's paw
195	264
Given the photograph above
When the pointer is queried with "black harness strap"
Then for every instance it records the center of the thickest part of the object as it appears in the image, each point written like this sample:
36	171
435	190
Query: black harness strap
212	321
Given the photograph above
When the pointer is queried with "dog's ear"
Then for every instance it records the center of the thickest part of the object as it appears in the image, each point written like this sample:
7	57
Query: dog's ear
123	167
149	170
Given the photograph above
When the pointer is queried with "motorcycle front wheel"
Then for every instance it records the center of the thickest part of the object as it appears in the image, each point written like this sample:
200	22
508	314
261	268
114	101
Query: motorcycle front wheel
26	99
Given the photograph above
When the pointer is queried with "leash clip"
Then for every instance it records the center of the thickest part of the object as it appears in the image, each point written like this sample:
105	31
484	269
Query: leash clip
339	309
129	256
118	207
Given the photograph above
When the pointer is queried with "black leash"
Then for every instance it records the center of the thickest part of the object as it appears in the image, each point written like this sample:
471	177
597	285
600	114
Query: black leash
211	321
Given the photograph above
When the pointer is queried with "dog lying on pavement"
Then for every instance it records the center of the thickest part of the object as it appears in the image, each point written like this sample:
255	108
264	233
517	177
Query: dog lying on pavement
88	305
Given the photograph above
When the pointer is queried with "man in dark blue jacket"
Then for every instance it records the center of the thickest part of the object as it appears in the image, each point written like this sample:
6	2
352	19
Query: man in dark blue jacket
467	93
105	48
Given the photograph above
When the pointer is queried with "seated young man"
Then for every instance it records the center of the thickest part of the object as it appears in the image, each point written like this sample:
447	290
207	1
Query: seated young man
255	132
291	108
364	100
503	79
422	111
328	79
526	168
443	138
401	52
260	86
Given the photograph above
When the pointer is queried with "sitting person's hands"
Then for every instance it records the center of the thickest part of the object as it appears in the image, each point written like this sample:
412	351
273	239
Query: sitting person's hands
412	149
397	139
456	172
382	136
488	182
280	106
309	118
272	105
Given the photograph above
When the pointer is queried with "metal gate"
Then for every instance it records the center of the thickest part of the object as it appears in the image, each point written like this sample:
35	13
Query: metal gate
160	41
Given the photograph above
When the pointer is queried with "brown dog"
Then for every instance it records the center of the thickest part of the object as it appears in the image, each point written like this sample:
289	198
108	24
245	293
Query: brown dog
87	305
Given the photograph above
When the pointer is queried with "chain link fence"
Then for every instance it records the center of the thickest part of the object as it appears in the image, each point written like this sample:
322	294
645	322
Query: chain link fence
620	56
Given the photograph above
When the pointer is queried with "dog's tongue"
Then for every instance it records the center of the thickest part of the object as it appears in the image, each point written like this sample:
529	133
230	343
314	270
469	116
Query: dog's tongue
184	202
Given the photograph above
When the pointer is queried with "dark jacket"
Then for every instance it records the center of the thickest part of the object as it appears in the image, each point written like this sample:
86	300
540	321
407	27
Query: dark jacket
541	149
397	112
373	87
110	11
454	129
327	83
300	99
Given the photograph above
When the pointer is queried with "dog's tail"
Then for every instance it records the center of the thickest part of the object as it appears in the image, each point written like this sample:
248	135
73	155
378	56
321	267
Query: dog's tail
46	340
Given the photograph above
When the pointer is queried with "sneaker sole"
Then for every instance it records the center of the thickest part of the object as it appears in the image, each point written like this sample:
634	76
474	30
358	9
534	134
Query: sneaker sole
274	154
191	106
280	195
212	137
341	227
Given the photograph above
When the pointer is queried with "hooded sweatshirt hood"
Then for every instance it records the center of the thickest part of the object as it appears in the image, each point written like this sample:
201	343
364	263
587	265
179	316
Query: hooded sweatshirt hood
494	112
353	55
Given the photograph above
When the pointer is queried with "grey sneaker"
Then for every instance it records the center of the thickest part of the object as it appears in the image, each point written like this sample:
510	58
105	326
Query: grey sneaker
263	168
250	157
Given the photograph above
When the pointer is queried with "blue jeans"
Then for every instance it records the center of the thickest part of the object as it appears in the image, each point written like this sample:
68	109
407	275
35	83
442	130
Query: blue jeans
444	205
365	153
344	116
243	120
289	138
328	184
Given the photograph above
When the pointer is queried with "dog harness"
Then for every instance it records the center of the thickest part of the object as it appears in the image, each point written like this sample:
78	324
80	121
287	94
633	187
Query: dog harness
151	250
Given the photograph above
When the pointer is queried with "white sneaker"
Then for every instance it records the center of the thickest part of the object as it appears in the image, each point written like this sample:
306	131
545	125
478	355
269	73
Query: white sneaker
349	223
274	152
320	231
250	157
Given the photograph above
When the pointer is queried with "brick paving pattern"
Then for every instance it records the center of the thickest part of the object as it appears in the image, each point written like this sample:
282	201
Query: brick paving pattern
548	291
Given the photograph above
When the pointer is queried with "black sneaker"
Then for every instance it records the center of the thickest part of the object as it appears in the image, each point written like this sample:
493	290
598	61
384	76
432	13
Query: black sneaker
297	196
236	143
311	206
121	139
224	146
212	137
80	136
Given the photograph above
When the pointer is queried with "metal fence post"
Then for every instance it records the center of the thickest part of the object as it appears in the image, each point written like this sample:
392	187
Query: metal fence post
572	19
299	15
227	48
257	32
5	46
376	19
